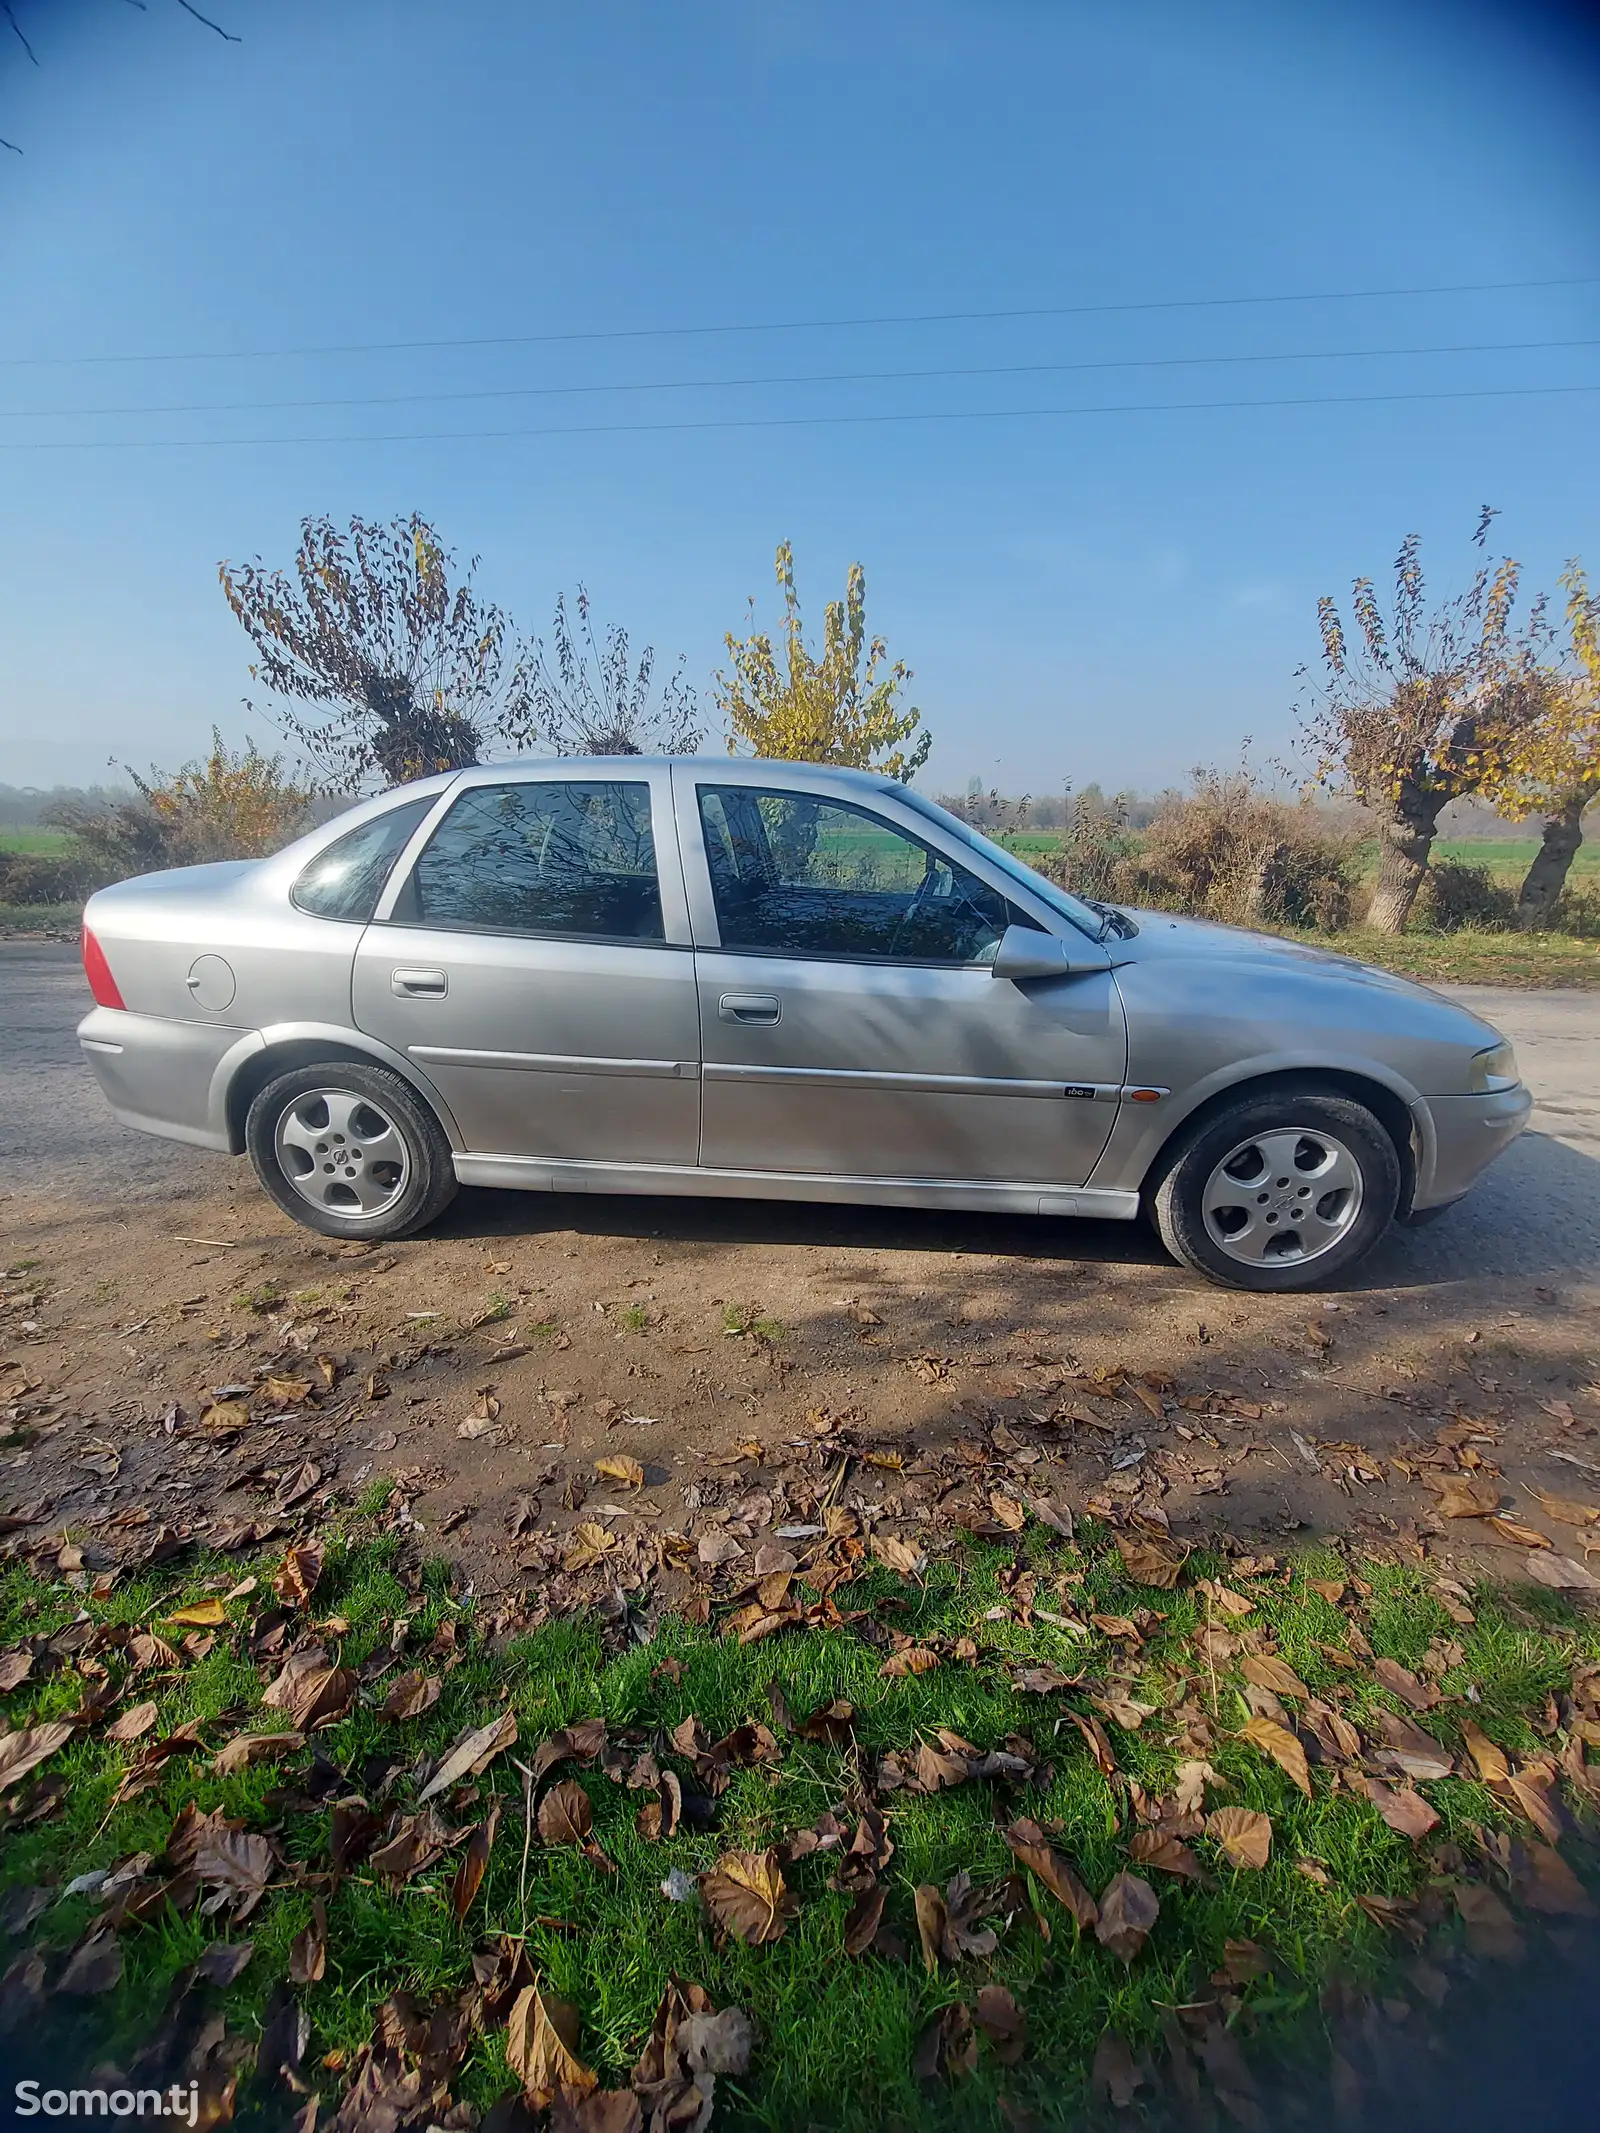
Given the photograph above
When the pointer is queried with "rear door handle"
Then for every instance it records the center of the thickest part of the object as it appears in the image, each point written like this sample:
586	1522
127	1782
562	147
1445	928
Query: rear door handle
749	1007
420	984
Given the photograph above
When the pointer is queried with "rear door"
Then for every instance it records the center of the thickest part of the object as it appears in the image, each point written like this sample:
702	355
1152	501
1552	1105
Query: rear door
850	1022
536	963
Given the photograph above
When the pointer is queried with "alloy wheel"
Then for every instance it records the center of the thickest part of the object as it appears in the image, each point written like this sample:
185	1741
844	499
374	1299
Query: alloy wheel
342	1153
1282	1197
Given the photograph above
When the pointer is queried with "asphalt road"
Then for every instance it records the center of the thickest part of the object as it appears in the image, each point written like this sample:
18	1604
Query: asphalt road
1536	1212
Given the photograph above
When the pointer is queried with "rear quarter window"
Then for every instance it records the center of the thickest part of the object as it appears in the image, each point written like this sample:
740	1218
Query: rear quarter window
347	877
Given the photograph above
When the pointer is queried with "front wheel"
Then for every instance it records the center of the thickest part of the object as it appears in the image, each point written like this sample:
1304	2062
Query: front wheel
1279	1192
350	1150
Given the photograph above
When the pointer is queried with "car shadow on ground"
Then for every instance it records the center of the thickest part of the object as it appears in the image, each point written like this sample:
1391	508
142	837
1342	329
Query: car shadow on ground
1537	1212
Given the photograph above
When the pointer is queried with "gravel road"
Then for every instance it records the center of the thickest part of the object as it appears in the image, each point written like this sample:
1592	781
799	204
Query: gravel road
1536	1212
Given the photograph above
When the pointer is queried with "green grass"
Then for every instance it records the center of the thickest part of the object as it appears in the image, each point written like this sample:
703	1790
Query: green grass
40	918
1469	958
837	2034
37	842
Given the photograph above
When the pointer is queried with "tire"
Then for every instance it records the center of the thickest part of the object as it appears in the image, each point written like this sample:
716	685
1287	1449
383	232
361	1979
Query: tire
1279	1192
351	1150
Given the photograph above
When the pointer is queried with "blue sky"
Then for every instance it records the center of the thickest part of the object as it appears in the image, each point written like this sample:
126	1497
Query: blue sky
1110	595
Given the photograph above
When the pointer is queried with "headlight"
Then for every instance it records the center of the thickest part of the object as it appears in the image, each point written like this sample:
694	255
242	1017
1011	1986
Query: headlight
1494	1069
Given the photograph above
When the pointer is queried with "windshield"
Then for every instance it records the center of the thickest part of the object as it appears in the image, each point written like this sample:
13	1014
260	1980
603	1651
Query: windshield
1084	916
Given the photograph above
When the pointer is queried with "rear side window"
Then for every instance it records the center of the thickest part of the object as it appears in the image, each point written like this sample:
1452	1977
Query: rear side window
347	877
554	858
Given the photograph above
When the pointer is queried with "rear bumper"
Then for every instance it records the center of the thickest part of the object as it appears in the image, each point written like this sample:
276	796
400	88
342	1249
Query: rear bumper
165	1077
1468	1133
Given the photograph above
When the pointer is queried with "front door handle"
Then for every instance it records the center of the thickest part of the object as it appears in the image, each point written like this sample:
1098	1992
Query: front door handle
420	984
757	1007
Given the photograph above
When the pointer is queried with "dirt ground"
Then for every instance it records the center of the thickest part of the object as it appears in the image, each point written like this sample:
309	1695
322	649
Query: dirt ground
203	1369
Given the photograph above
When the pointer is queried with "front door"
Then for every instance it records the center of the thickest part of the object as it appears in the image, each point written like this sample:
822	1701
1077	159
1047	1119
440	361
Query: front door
850	1022
536	965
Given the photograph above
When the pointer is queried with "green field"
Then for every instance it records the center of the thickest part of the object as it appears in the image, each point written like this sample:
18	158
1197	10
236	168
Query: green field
1507	858
37	843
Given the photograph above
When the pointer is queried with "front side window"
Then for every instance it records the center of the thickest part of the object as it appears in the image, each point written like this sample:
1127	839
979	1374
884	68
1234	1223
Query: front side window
553	857
347	877
795	874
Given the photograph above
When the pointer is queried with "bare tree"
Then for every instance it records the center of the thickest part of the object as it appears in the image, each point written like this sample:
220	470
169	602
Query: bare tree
593	699
1415	713
407	672
8	11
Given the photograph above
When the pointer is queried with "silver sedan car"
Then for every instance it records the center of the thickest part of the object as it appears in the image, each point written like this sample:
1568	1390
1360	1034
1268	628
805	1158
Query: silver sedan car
774	980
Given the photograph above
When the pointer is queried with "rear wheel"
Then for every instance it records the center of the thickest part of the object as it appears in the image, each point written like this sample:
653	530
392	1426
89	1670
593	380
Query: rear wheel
350	1150
1280	1192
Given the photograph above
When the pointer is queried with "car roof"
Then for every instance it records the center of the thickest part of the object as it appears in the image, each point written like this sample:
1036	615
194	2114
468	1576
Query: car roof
726	769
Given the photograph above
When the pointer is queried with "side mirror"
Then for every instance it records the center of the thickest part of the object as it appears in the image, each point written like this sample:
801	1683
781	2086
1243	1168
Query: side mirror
1025	953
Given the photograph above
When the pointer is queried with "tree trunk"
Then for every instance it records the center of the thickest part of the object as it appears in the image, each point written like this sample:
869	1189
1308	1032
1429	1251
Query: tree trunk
1547	876
1405	839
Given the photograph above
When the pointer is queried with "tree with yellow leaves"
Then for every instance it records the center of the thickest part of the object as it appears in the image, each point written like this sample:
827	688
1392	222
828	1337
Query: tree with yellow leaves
843	707
1553	767
1419	710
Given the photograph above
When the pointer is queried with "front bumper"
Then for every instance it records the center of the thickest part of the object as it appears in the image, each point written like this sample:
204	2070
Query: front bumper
1468	1133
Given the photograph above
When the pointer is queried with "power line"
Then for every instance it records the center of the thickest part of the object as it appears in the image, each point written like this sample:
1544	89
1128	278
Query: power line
783	422
909	318
821	377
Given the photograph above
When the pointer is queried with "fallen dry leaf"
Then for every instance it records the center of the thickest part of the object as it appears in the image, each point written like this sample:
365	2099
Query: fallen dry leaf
1511	1533
1466	1495
410	1694
1489	1761
565	1815
1002	2022
25	1750
1148	1564
204	1614
95	1965
898	1554
1407	1748
746	1896
1269	1673
1033	1849
472	1754
299	1574
1565	1510
866	1916
1561	1574
929	1905
1403	1808
1129	1908
1400	1681
132	1723
247	1748
1284	1749
617	1466
474	1861
312	1692
308	1951
1533	1790
1244	1835
542	2048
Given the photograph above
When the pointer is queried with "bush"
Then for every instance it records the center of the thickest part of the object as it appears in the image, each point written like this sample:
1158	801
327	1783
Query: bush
1455	897
228	807
34	878
1097	849
1576	911
1229	851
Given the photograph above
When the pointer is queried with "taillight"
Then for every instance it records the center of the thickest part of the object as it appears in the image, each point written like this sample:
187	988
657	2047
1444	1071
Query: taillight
98	971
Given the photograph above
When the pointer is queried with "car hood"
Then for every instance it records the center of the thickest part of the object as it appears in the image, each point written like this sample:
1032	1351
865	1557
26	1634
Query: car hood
1161	934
